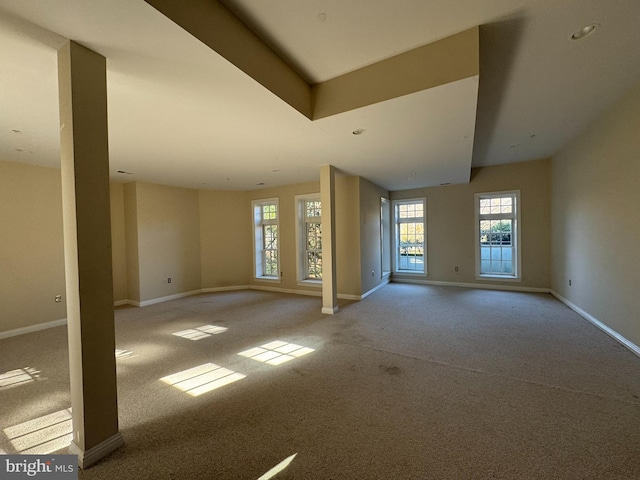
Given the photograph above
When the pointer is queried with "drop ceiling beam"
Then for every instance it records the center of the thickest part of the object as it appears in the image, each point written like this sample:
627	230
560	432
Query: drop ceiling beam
445	61
439	63
215	26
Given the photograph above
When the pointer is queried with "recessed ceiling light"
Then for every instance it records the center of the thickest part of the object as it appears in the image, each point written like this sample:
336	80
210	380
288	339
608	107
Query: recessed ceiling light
125	173
260	183
16	131
584	31
358	131
275	170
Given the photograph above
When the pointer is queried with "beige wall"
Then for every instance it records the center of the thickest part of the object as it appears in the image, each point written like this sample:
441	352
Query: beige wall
370	241
168	240
31	246
118	243
596	219
347	213
451	223
225	239
130	192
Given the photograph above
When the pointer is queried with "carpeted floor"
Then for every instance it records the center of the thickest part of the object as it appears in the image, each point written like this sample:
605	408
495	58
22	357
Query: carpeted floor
413	382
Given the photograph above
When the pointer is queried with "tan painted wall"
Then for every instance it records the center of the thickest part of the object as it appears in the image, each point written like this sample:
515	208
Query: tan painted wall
168	240
286	196
451	223
347	235
118	243
596	219
130	191
225	239
31	246
370	241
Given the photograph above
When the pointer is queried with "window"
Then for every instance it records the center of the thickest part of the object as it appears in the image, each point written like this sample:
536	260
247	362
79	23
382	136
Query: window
266	260
410	236
385	236
497	234
309	235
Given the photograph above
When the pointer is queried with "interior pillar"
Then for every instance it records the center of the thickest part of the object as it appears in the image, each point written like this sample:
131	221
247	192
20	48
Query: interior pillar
84	154
328	199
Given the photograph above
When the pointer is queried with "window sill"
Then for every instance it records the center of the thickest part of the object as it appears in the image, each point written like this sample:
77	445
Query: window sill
268	279
310	283
410	272
501	278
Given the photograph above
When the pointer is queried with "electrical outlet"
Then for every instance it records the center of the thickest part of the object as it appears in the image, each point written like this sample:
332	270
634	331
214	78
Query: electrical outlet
455	269
373	273
58	298
169	280
569	282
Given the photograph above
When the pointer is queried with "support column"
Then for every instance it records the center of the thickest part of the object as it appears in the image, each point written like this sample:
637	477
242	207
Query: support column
84	154
328	199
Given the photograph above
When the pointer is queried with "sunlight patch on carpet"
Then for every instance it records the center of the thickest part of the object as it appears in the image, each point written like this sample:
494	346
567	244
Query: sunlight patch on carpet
42	435
278	468
199	333
202	379
123	354
19	376
276	352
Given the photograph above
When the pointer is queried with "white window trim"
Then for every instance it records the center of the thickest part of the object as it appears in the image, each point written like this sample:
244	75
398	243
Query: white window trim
385	237
517	276
300	248
394	221
256	210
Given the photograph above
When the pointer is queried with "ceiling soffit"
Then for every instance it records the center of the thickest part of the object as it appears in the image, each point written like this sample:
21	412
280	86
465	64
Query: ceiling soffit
445	61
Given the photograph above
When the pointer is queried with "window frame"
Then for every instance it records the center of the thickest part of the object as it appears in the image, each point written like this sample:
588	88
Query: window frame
302	266
385	237
259	248
516	228
397	220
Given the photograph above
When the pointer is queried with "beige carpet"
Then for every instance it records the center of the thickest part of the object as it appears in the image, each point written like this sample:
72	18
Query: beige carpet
413	382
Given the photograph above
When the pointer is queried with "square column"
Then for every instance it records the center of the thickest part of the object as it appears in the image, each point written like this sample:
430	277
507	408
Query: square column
328	199
84	151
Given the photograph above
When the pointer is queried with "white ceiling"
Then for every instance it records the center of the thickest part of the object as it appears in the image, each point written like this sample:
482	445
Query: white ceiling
180	114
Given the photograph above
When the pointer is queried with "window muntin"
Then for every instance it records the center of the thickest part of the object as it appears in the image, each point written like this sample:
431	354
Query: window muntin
309	234
410	251
313	239
266	239
497	234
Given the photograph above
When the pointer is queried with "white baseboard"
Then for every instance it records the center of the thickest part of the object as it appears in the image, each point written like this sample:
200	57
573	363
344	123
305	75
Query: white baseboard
348	296
590	318
384	283
86	458
315	293
225	289
168	298
311	293
33	328
472	285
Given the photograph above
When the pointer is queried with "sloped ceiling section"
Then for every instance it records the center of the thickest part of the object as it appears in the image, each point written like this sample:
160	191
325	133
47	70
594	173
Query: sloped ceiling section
429	93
